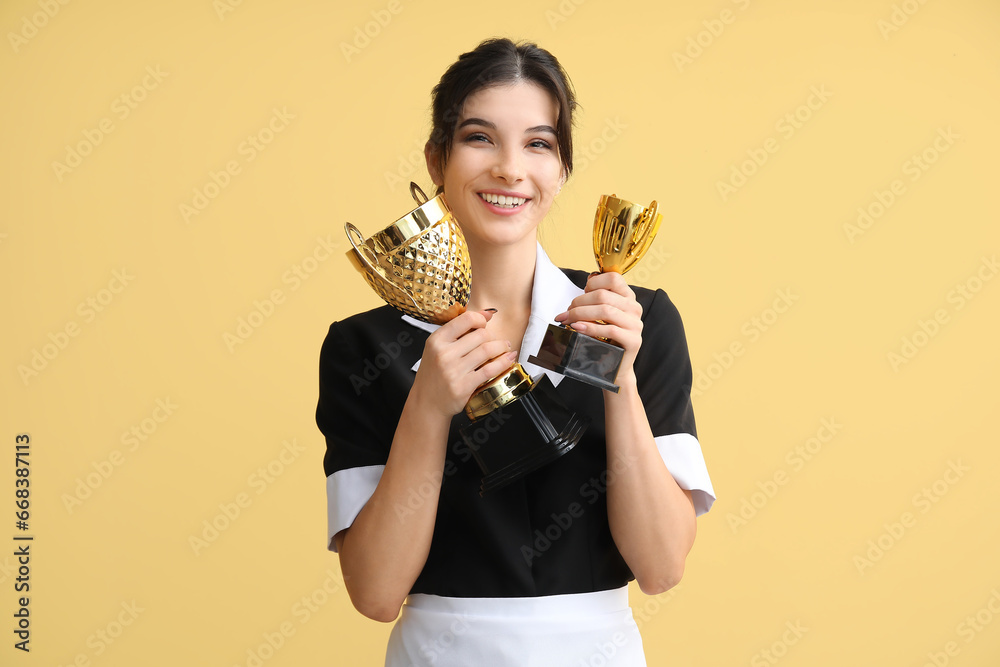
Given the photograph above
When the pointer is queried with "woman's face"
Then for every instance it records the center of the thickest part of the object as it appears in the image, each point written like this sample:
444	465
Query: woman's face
504	170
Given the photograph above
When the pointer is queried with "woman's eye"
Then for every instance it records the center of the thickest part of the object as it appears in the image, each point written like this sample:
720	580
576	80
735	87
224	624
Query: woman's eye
540	143
477	137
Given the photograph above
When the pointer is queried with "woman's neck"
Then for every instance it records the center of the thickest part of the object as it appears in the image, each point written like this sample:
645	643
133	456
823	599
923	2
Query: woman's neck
502	277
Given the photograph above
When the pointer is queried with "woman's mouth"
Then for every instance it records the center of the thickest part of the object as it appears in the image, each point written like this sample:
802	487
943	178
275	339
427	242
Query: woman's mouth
502	201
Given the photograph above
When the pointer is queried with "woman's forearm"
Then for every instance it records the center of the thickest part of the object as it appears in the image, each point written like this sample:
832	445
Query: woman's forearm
384	550
652	519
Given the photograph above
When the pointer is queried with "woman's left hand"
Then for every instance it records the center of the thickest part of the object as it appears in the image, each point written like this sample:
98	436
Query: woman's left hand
608	298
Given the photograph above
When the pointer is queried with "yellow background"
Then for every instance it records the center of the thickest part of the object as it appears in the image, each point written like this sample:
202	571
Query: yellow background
655	126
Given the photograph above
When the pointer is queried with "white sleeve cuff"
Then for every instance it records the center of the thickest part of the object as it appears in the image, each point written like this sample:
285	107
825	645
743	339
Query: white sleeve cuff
682	455
347	491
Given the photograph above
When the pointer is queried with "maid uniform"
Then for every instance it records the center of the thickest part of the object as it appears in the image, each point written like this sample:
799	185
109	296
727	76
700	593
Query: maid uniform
528	574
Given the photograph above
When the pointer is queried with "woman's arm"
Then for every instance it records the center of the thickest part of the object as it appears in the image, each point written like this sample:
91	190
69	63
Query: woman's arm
652	519
384	550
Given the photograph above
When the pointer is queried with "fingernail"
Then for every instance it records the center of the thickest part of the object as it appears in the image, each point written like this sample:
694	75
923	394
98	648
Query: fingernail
561	316
492	310
509	346
512	355
579	326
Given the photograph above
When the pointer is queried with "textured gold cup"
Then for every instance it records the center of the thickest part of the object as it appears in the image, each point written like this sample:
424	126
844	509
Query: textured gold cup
420	265
623	232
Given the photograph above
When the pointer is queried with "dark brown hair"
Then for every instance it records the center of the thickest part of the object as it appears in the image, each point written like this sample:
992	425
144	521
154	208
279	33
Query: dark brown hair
499	61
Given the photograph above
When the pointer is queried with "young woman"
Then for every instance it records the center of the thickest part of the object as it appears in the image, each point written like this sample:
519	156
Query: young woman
534	573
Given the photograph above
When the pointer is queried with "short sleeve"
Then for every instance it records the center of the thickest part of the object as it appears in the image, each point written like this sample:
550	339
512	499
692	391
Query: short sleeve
663	373
352	420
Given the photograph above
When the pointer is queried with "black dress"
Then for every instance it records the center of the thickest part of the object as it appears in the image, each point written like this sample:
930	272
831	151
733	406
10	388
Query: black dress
546	534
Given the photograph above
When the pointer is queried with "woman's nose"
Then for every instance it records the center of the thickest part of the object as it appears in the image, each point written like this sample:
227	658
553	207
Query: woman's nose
509	165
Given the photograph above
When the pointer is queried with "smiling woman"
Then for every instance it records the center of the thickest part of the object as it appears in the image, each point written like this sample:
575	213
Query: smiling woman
536	572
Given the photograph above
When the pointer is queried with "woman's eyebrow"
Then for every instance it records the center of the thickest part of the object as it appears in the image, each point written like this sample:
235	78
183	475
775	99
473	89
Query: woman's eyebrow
542	128
477	121
491	125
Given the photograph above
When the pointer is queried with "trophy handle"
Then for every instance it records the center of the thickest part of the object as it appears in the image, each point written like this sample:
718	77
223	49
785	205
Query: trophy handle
369	259
364	252
645	230
414	190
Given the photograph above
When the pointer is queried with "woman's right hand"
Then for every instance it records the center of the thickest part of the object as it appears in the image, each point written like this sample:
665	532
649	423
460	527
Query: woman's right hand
457	358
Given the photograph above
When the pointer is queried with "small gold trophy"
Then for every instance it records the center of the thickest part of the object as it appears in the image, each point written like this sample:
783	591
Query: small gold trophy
623	232
420	265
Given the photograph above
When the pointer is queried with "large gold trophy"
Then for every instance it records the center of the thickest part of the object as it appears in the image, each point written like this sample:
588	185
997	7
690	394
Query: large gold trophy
420	265
623	232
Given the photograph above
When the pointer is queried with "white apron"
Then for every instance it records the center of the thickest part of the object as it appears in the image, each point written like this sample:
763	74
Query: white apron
577	630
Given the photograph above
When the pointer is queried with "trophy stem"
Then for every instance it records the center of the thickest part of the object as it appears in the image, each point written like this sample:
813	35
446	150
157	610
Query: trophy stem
536	429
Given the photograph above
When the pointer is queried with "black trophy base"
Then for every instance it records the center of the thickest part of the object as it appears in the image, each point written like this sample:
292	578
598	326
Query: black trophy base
534	430
580	357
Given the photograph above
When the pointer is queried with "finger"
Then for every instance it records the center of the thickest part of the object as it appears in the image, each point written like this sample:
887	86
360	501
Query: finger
466	322
494	368
485	353
603	312
625	303
611	280
455	350
463	324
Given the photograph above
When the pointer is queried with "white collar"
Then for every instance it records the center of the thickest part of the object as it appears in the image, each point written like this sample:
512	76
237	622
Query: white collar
551	293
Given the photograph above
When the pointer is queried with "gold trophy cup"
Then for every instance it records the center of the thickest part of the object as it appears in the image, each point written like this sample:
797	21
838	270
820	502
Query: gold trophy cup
623	232
420	265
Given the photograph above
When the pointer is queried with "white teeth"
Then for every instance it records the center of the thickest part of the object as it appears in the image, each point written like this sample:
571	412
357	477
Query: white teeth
502	201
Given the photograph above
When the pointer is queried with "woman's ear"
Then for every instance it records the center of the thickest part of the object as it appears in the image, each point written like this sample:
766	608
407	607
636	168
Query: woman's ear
433	158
